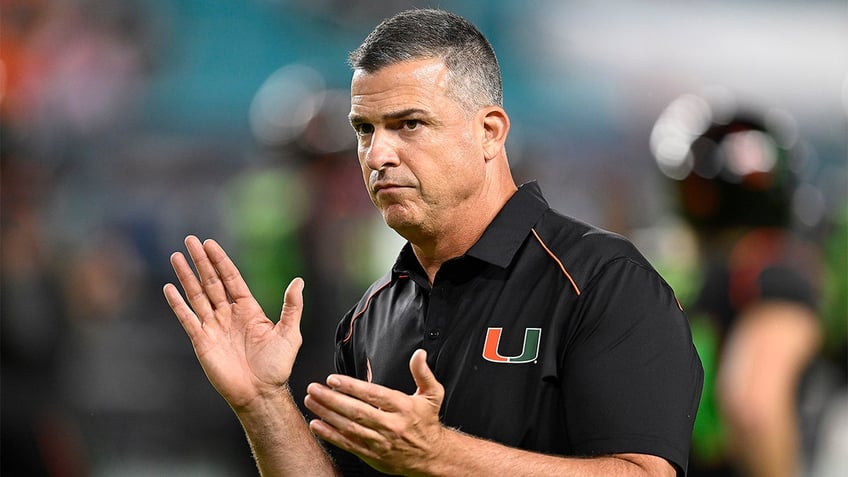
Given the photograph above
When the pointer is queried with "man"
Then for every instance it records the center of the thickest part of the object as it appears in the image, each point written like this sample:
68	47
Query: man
529	337
756	314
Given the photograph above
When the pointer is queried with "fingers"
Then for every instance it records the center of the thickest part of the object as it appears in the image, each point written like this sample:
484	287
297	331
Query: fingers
219	279
328	433
191	286
186	317
377	396
293	300
428	386
380	397
348	422
378	423
292	307
230	278
343	419
352	407
209	275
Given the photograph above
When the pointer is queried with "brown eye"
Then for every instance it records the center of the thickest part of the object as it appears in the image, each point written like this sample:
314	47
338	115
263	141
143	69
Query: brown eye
363	129
411	124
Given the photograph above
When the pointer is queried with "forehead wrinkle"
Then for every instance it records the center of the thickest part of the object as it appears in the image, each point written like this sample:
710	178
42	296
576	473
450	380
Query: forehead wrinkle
399	91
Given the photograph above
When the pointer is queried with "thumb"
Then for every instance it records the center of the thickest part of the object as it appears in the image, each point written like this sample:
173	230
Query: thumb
428	386
292	305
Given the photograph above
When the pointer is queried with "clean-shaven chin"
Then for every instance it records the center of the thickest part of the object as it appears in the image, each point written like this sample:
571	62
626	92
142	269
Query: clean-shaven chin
396	212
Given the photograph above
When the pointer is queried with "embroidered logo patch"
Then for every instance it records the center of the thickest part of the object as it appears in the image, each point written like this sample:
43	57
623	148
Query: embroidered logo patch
529	351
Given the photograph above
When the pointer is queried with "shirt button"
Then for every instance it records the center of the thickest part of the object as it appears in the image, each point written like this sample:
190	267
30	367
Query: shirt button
433	334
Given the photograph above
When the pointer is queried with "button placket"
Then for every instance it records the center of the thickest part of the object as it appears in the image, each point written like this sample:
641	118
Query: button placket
437	312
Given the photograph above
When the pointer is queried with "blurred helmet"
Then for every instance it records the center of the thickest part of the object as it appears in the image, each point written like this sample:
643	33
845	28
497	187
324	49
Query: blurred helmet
730	167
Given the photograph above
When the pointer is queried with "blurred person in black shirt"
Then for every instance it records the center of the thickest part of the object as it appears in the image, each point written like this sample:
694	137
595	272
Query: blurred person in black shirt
755	315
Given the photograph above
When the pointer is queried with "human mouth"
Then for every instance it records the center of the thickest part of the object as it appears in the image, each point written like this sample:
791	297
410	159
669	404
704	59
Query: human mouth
385	187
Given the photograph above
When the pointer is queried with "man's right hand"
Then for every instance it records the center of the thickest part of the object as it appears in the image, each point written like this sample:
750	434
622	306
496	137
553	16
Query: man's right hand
244	354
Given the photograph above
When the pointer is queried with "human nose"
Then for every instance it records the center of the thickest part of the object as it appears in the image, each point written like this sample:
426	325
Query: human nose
381	151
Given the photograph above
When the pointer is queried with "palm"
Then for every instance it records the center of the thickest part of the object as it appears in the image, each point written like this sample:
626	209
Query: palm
243	353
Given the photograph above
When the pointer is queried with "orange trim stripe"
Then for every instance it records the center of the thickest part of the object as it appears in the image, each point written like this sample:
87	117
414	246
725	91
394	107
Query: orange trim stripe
561	267
367	303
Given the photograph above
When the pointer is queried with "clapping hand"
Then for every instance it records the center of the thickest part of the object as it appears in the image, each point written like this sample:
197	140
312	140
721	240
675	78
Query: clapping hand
245	355
392	431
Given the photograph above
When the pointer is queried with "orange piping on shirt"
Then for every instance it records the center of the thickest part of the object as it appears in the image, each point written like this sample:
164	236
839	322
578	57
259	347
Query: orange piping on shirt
367	302
561	267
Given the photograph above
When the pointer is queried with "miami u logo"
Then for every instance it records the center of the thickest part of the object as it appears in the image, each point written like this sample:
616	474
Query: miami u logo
529	352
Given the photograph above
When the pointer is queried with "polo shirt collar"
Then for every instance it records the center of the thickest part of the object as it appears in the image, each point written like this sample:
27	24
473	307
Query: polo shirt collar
502	238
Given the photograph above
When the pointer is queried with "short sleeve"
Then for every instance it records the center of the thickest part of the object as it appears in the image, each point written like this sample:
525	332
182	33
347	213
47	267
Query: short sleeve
632	378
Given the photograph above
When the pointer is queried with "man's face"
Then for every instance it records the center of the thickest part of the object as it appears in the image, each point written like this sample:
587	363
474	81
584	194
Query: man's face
419	150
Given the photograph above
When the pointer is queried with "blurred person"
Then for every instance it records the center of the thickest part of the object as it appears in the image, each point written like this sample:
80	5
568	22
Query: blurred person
755	314
88	387
74	68
508	339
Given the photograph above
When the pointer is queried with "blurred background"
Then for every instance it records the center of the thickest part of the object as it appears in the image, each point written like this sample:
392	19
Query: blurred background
128	124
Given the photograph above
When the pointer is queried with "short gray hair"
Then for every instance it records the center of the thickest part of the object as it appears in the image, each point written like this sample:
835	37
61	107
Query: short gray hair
429	33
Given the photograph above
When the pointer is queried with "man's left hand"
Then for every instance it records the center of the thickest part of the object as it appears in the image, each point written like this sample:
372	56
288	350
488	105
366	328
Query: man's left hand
390	430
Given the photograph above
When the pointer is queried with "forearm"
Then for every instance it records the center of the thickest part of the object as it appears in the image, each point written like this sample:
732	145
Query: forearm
281	441
462	454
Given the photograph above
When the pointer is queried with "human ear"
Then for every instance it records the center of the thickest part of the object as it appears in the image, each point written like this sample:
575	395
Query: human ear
495	129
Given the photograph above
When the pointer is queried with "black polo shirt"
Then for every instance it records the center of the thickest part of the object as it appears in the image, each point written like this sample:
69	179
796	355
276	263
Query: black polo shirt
548	335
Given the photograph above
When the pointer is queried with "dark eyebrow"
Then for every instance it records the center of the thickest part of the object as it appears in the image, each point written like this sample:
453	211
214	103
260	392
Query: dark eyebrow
404	113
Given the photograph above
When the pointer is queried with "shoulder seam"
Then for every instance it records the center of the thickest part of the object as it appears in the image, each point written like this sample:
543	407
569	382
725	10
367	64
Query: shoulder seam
557	260
364	308
646	267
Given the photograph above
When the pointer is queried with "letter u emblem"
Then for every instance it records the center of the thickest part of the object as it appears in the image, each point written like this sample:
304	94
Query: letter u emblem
529	352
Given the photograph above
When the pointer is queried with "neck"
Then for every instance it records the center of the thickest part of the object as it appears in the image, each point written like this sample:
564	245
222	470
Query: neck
461	231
